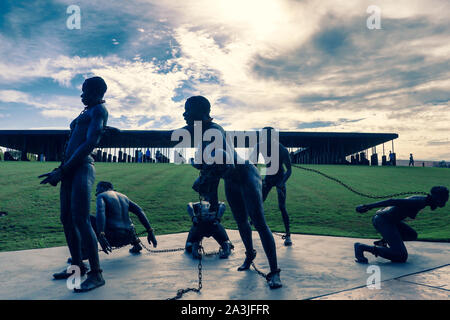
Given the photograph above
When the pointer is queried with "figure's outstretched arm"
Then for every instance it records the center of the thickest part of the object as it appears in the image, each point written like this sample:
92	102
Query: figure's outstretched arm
94	133
134	208
386	203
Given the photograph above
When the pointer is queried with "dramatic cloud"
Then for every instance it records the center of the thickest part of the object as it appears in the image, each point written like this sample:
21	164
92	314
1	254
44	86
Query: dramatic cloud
294	65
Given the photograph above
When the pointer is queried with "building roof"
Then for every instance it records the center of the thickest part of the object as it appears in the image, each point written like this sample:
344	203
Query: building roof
38	141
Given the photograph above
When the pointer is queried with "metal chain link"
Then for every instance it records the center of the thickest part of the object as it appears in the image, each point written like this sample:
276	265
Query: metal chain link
202	252
282	236
353	190
200	268
118	247
262	274
161	250
181	292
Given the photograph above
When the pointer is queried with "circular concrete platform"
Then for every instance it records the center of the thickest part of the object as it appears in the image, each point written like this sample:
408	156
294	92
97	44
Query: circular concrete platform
315	267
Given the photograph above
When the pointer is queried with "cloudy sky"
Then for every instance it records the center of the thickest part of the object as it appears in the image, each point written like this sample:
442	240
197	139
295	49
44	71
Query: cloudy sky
291	64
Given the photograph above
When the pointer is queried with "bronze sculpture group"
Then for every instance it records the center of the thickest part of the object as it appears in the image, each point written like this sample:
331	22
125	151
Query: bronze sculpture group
244	188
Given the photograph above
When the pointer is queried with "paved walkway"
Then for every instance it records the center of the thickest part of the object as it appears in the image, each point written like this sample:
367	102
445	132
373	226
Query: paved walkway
315	267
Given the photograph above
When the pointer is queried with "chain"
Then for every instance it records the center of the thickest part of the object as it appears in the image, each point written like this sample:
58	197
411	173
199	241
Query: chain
212	253
147	248
282	236
262	274
202	252
200	268
118	247
357	192
160	251
181	292
114	248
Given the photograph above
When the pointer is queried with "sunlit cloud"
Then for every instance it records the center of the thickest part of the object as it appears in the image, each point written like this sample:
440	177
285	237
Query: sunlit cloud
294	65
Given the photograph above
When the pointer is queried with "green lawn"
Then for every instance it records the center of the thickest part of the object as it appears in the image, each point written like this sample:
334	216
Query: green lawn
315	204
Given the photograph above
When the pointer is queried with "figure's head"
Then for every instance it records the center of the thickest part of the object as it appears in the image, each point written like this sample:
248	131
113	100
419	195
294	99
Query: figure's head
438	197
103	186
196	108
93	91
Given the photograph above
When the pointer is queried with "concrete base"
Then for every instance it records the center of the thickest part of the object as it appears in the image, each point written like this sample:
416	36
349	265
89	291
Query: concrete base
315	267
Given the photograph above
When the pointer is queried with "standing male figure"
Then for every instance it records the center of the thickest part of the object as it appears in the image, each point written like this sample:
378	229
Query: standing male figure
278	179
243	188
77	176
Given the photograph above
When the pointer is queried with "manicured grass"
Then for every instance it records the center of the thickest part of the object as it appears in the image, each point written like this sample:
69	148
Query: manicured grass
316	205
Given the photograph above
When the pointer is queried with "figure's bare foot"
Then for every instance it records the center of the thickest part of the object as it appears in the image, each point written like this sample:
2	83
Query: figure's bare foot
136	249
188	247
94	280
287	240
249	257
359	253
225	250
273	279
65	275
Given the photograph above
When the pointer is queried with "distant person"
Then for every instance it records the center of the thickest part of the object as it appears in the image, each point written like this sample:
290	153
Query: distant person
206	223
147	155
158	156
7	156
423	164
388	222
179	157
391	158
411	160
